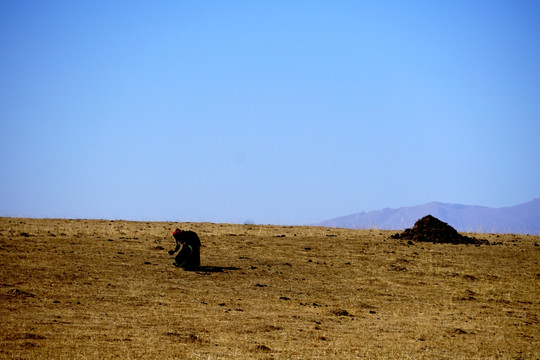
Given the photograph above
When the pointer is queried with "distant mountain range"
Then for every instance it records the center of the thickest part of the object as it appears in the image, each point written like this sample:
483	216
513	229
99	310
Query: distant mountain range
520	219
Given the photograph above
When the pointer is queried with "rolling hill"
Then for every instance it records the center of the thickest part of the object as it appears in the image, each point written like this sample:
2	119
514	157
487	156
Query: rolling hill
519	219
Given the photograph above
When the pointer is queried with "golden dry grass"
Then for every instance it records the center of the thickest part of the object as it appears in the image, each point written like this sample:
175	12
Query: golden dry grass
88	289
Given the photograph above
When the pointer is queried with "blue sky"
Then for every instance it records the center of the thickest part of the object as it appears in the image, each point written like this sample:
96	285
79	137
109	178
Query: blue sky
283	112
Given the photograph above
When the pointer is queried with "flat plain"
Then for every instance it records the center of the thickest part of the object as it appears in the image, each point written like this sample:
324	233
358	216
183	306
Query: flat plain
100	289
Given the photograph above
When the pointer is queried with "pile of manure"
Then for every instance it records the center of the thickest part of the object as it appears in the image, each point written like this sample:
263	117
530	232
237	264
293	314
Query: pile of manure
431	229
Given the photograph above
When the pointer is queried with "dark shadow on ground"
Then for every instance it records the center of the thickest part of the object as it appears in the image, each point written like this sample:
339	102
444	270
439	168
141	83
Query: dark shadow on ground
211	269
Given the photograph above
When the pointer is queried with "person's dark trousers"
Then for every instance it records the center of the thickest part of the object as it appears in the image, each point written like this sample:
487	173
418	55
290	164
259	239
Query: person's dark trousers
183	256
189	257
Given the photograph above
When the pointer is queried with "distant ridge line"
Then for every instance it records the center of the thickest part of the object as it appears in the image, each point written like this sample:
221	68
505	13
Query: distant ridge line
519	219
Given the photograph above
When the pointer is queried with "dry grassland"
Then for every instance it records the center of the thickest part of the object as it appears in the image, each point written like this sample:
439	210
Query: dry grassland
84	289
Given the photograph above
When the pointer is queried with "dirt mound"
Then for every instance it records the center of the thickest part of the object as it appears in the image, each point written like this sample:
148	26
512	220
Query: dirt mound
431	229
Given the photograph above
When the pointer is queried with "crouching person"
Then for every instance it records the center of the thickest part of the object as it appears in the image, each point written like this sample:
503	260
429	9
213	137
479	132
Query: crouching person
189	256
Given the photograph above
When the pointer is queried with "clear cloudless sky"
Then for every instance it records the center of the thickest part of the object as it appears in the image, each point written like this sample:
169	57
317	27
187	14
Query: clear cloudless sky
275	112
